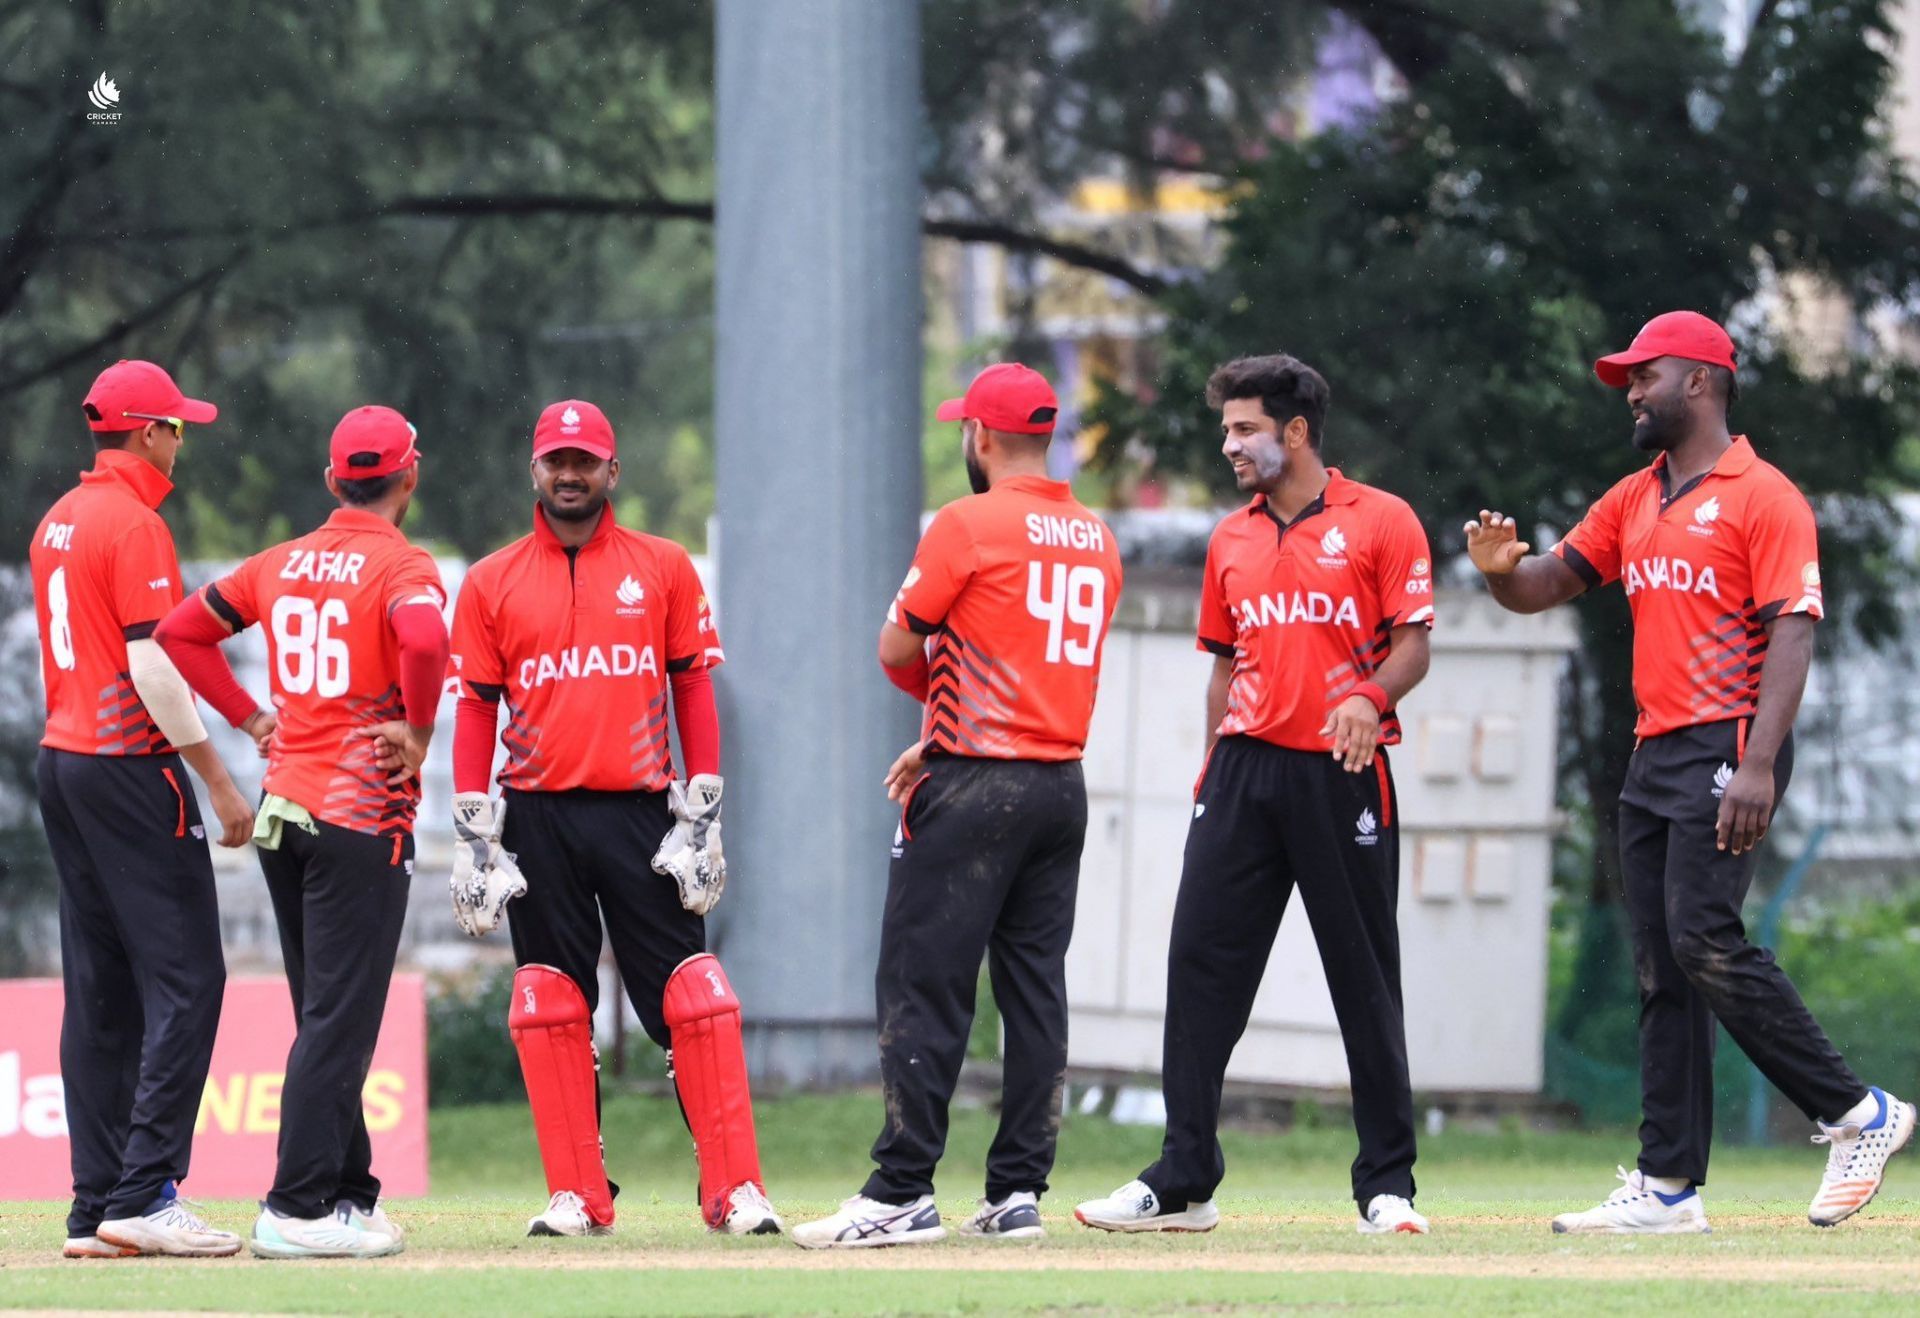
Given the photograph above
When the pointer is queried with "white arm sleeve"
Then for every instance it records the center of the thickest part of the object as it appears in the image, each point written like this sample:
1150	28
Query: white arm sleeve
165	693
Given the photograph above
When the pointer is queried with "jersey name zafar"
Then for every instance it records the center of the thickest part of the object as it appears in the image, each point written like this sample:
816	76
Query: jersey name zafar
580	646
1016	588
333	662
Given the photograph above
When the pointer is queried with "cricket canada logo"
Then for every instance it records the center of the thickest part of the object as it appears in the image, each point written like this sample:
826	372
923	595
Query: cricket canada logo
103	95
1721	778
1705	516
1333	548
1366	829
570	421
629	592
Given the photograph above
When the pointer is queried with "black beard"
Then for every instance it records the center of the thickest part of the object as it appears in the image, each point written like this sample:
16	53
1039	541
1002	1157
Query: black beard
585	512
1656	432
975	476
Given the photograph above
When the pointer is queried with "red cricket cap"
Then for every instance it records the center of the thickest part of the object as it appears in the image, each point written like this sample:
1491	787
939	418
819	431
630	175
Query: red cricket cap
572	423
1009	397
126	389
1685	334
371	442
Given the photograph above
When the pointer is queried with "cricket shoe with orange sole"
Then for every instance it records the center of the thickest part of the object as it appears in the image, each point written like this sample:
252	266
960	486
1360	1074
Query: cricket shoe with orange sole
1389	1214
1857	1156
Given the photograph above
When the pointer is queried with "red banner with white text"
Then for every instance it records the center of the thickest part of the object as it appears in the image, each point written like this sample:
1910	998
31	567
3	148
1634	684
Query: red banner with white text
239	1123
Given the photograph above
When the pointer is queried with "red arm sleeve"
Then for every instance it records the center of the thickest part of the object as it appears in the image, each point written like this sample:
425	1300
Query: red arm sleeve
191	636
422	634
698	720
914	679
475	720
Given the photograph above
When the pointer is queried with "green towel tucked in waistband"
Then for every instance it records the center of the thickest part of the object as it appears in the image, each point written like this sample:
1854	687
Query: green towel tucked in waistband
275	811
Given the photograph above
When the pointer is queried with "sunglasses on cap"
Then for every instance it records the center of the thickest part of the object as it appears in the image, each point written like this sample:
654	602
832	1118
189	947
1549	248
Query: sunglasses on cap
179	426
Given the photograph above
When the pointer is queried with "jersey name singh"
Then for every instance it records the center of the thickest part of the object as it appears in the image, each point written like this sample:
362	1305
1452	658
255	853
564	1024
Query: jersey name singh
1068	532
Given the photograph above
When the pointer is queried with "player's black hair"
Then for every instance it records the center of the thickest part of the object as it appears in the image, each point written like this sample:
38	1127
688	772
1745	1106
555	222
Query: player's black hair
1725	384
1286	387
369	489
108	439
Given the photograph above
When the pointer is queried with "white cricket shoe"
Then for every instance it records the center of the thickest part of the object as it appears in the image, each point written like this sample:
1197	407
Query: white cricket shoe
1135	1207
566	1215
864	1223
1017	1217
750	1213
92	1247
170	1226
1389	1213
377	1221
336	1235
1857	1159
1636	1208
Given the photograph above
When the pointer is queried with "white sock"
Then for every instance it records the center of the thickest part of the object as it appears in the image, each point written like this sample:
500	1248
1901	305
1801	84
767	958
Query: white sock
1860	1113
1665	1184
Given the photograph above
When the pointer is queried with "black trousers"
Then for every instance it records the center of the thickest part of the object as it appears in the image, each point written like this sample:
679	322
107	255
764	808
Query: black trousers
340	899
588	857
1692	957
986	864
141	962
1269	820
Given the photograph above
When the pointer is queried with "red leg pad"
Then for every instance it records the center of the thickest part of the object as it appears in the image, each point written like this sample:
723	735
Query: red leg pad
553	1033
710	1069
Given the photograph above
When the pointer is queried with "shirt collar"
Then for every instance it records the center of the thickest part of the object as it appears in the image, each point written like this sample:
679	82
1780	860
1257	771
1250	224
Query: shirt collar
1339	491
360	519
140	477
1738	457
543	533
1044	486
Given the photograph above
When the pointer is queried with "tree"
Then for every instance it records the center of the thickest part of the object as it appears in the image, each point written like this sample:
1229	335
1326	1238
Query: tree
1550	181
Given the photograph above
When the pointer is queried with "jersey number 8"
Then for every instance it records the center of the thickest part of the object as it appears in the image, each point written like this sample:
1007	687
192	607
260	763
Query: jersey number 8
1076	595
306	654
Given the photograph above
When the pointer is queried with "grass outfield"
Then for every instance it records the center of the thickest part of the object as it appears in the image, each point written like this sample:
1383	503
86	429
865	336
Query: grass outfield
1286	1241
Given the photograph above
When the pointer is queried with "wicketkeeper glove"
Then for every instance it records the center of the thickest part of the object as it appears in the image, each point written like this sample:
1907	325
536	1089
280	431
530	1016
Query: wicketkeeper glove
690	852
485	877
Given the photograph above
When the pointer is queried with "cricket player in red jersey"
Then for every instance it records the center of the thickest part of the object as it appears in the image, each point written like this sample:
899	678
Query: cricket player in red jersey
999	630
1316	606
356	658
139	926
581	628
1718	554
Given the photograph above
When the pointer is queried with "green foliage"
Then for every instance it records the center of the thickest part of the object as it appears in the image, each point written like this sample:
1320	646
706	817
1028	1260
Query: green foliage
1858	967
470	1059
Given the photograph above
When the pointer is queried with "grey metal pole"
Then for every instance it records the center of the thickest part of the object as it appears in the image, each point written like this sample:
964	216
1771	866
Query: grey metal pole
817	418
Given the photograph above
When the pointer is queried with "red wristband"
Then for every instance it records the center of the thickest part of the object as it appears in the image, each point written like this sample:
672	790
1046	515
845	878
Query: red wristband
1376	696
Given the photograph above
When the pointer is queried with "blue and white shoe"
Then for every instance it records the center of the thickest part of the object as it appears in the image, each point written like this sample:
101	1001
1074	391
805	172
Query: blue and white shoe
1017	1217
1135	1207
169	1226
864	1223
1857	1158
1636	1208
342	1234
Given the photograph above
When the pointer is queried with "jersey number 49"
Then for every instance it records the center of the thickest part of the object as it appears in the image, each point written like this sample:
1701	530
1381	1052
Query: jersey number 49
1058	595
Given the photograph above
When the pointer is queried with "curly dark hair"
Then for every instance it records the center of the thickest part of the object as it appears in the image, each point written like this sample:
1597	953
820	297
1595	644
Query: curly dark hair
1286	387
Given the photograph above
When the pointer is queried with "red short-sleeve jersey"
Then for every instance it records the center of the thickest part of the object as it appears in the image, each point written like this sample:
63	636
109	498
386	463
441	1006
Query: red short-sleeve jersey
1705	568
1016	588
1306	610
104	573
333	663
579	645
